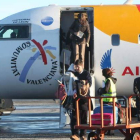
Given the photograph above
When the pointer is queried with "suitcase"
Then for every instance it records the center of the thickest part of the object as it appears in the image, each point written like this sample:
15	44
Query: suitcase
107	117
106	109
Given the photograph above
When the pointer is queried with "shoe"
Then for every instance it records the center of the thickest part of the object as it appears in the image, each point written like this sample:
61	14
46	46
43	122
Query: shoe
83	138
74	137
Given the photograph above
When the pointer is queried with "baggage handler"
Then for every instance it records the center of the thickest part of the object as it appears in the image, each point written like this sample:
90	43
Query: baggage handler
109	89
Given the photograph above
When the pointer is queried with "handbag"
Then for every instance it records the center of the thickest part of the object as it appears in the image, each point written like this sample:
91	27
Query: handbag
82	87
61	93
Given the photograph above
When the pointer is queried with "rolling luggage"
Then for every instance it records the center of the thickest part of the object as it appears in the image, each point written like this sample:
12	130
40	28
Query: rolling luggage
107	117
106	109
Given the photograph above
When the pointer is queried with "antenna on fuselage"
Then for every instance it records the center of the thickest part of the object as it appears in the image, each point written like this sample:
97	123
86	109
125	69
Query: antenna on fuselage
129	2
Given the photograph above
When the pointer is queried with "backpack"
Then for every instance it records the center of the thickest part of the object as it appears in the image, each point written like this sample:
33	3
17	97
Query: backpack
82	87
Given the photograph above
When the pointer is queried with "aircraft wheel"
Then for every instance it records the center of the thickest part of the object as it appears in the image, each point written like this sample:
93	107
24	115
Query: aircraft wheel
136	136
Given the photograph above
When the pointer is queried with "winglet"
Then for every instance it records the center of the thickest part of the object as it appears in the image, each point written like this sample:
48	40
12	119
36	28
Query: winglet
128	2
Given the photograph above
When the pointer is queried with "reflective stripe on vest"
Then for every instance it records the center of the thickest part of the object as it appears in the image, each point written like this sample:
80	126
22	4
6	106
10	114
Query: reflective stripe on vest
111	92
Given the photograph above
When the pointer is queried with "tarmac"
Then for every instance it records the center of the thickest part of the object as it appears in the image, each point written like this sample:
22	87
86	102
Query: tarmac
37	120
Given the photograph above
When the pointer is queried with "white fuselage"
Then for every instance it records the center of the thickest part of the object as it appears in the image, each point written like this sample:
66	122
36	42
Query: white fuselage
24	73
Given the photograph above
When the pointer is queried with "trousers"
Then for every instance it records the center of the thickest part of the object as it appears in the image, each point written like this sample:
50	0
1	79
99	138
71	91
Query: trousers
79	52
83	120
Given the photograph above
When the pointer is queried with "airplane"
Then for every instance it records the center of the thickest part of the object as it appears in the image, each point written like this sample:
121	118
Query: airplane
30	48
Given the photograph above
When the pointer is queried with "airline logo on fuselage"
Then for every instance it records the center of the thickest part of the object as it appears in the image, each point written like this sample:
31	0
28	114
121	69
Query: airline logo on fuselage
47	21
106	61
38	51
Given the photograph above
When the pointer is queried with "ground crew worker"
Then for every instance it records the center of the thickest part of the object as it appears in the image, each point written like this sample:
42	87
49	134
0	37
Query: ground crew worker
109	89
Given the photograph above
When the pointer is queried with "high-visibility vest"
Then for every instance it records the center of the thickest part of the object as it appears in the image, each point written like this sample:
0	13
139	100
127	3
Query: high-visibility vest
111	92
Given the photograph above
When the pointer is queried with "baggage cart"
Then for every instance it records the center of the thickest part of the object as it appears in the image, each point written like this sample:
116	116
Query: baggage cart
130	129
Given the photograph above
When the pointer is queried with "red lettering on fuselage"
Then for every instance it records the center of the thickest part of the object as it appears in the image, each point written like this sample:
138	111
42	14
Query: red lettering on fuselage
137	70
129	71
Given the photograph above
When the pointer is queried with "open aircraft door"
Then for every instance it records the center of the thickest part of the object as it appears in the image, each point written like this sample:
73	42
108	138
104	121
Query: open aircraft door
67	17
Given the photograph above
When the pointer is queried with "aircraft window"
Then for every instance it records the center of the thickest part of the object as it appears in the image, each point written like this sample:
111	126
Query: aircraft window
7	33
16	32
115	40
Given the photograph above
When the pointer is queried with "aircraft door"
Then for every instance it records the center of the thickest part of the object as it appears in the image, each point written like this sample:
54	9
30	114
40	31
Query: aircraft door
66	41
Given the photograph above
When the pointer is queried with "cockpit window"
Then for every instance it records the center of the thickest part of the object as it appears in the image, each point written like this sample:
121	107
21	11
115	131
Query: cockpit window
15	32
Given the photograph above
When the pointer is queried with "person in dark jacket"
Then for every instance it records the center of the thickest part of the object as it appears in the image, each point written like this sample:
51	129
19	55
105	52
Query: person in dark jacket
83	76
80	35
136	89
